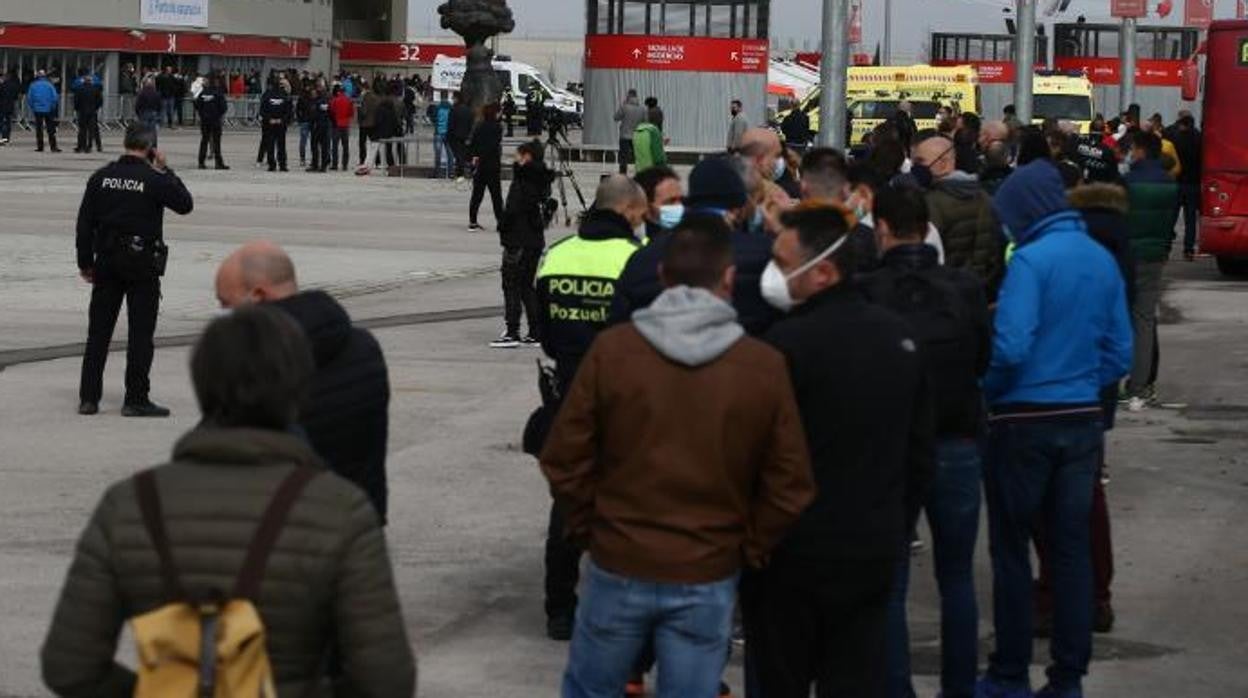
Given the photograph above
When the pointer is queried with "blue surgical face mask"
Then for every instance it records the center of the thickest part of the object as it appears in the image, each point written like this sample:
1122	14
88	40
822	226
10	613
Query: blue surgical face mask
777	169
671	215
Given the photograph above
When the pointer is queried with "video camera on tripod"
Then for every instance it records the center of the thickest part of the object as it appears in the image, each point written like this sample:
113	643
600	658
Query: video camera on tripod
556	156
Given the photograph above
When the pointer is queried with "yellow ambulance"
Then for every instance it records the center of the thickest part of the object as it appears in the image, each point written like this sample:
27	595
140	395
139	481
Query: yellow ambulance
874	92
1065	96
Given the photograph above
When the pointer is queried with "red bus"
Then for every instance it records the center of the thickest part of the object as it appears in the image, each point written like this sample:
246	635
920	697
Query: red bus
1224	226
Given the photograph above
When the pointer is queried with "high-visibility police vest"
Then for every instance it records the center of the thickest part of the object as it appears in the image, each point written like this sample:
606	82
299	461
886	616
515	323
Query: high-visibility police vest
576	282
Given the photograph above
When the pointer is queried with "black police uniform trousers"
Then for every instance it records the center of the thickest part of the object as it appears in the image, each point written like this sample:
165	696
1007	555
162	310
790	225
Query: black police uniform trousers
482	179
273	144
320	146
47	121
824	626
89	132
142	300
210	137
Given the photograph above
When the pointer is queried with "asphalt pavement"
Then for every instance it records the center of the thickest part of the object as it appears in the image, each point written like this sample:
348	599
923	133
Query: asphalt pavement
468	509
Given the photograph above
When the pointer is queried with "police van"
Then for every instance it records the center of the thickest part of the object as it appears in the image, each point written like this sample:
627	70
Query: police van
448	75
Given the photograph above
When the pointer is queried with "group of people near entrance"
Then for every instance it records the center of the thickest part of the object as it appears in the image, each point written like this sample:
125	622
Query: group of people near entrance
765	374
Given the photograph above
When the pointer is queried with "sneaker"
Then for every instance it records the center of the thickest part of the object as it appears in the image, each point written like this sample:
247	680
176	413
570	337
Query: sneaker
531	341
559	628
1137	404
1050	692
506	341
202	166
87	409
459	179
636	686
284	168
990	688
916	546
223	166
724	691
1189	256
474	227
146	408
1103	621
274	169
4	141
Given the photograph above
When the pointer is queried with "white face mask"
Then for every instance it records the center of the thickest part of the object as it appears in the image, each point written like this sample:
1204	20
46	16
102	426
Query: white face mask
671	215
775	283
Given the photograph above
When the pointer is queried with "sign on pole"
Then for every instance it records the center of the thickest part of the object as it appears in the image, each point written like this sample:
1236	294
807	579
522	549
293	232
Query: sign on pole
1198	14
1128	8
174	13
855	22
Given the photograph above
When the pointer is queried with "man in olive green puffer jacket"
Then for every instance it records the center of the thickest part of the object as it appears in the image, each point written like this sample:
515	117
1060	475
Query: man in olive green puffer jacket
1154	201
327	589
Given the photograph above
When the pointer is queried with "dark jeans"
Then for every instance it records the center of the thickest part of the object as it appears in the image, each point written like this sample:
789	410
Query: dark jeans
210	138
1102	555
627	155
170	105
486	179
363	142
1041	472
320	147
1189	201
689	624
45	121
563	568
151	119
824	625
460	150
89	132
142	300
340	142
273	144
519	271
6	125
952	508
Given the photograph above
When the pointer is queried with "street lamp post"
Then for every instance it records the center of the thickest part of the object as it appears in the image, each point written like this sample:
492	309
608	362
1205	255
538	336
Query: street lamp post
888	32
833	70
1025	60
1126	47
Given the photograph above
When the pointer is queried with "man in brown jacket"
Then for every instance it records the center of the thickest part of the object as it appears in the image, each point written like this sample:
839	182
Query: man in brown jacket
679	458
327	590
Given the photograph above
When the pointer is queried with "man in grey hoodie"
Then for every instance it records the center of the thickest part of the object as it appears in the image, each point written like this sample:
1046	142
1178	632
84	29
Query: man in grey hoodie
680	459
629	114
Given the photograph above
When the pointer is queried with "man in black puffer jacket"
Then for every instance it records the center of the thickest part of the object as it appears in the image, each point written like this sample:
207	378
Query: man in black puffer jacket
346	419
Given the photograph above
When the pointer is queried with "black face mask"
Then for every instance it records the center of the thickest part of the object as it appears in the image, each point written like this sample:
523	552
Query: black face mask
923	175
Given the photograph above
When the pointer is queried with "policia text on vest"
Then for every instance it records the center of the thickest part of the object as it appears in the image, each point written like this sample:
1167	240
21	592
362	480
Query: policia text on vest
121	252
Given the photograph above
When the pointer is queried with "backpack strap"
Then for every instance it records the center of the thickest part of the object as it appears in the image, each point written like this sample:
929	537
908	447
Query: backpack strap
249	578
154	522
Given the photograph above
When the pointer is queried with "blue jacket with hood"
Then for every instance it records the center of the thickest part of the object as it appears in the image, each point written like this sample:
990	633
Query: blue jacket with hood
1062	329
42	96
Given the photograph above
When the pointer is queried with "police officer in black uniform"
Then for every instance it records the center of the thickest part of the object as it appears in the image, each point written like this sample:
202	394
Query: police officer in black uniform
121	253
275	115
211	107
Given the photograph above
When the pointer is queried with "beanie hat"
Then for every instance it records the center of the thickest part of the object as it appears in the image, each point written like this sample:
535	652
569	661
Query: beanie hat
714	183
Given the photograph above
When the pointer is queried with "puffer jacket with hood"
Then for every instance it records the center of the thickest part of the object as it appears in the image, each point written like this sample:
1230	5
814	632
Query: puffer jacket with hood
1062	329
962	211
347	415
328	580
678	454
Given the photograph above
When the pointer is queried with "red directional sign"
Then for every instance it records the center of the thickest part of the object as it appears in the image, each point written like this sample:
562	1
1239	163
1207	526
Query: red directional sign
383	52
1198	14
37	36
1128	8
692	54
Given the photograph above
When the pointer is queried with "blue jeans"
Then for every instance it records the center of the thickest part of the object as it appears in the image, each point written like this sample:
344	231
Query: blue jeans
170	105
305	134
1041	472
151	119
690	625
952	509
442	152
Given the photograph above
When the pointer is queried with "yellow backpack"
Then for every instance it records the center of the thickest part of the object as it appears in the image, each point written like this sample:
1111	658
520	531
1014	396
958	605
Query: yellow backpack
211	647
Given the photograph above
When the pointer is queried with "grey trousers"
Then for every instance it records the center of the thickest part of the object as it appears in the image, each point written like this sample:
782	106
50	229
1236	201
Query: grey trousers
1144	323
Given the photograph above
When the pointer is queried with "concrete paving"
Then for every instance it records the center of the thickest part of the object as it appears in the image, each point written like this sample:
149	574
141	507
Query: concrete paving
469	510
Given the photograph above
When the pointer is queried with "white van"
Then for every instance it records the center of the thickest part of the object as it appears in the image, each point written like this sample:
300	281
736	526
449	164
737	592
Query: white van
448	75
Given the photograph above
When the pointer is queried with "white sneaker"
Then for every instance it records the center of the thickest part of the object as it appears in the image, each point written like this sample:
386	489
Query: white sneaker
1137	404
505	342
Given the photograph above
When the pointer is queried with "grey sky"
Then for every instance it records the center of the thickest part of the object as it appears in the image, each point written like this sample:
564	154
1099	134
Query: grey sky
795	22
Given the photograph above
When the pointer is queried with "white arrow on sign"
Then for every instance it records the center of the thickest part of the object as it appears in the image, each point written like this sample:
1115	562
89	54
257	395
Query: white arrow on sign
734	56
636	53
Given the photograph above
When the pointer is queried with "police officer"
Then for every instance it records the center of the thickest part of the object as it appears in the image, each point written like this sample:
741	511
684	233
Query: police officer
275	115
121	253
575	287
211	107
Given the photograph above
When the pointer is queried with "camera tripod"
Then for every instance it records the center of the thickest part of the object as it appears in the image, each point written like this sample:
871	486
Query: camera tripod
558	160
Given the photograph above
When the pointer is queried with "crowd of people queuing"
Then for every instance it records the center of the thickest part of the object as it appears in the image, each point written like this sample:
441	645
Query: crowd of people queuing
764	374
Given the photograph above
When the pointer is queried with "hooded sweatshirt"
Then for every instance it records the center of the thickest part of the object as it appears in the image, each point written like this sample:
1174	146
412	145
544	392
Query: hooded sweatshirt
1062	329
961	210
690	326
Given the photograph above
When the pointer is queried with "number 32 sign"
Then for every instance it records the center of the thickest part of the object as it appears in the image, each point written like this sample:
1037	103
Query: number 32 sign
409	53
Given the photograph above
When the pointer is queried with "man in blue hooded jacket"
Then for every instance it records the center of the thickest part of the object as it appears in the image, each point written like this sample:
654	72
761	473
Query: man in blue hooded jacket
1062	333
44	102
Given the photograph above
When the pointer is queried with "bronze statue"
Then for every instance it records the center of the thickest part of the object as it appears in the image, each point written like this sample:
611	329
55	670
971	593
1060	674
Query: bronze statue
477	21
